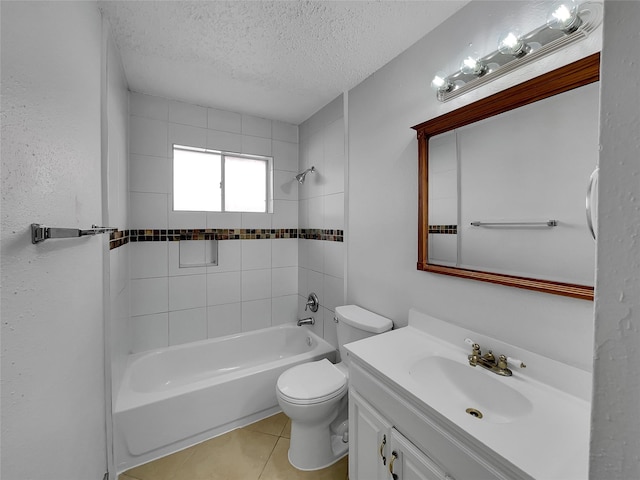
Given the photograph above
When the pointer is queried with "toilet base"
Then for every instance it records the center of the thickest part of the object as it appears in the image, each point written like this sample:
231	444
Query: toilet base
316	446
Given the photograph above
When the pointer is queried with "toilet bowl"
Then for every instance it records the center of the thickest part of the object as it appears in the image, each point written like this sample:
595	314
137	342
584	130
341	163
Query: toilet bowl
314	395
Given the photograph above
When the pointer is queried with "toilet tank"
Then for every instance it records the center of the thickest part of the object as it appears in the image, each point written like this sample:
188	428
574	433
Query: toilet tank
356	323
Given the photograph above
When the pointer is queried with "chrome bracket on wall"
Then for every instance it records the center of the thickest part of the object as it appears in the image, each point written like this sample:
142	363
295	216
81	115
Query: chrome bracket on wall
40	233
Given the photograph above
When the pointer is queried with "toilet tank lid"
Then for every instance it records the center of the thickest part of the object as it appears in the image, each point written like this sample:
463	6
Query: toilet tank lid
363	319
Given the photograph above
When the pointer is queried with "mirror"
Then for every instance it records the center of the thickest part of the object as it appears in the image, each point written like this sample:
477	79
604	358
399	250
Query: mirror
502	185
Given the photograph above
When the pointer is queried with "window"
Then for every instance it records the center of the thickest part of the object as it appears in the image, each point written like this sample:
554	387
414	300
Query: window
215	181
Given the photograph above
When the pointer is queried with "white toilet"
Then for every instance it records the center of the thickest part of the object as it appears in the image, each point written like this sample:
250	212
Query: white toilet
314	395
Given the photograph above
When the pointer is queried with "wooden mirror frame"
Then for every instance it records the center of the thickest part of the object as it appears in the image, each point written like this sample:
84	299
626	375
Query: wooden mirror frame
574	75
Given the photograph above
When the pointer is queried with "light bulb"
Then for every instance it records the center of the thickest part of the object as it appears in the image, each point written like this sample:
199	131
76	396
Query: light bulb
441	83
564	16
471	66
511	44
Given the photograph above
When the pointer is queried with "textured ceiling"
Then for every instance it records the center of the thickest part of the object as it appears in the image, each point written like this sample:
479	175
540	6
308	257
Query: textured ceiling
277	59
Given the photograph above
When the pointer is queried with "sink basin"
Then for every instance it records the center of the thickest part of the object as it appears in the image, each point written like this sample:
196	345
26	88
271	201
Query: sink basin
473	390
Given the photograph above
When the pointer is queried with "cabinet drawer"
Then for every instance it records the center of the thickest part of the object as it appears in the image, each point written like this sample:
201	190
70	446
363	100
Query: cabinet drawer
456	455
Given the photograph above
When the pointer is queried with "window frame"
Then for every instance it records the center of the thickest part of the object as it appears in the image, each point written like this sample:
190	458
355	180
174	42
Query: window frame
223	154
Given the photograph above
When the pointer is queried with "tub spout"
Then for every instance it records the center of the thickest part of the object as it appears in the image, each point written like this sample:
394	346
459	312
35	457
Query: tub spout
306	321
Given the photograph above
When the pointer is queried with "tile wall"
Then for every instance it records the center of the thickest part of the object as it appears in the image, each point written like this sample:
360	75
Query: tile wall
255	283
321	206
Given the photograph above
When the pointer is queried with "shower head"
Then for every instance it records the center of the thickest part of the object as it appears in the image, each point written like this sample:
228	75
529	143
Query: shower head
300	177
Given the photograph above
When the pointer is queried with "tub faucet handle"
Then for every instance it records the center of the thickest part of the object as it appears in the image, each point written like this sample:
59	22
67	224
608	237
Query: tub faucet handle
312	303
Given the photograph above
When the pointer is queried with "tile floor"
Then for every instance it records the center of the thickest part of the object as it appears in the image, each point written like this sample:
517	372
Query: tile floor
255	452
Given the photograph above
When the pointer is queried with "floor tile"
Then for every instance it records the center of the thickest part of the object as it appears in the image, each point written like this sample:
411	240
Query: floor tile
279	468
287	430
237	455
124	476
272	425
165	468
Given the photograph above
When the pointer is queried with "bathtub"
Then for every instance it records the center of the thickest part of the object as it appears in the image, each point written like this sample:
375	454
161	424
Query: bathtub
175	397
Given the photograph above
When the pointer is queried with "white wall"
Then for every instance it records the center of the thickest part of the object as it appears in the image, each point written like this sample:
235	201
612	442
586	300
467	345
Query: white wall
254	284
53	391
615	438
321	262
383	195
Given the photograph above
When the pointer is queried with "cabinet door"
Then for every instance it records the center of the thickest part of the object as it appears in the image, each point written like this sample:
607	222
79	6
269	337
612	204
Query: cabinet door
369	439
406	462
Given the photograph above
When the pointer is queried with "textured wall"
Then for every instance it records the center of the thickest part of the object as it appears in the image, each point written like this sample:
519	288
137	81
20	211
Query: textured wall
615	442
53	395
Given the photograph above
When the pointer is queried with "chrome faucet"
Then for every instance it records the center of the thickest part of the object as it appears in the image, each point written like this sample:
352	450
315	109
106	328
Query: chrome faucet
488	361
306	321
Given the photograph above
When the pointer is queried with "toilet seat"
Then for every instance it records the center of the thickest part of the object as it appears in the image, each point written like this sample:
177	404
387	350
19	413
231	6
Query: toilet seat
313	382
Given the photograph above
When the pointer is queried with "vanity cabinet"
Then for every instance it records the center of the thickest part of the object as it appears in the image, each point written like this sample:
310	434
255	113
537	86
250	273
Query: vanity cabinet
390	437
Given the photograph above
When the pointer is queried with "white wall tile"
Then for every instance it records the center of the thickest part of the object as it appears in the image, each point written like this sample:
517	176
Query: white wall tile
227	141
174	262
148	137
148	210
303	288
314	183
330	331
256	145
149	332
315	284
223	288
334	157
224	120
224	220
256	314
256	126
284	281
149	295
285	186
256	254
256	284
333	288
303	252
148	106
284	309
149	259
186	135
256	220
285	214
149	174
284	252
316	212
187	114
303	213
224	319
187	326
229	256
334	211
285	156
315	255
284	131
187	291
334	259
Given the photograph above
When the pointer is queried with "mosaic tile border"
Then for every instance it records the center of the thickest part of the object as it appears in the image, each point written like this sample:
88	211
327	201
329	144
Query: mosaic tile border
444	229
122	237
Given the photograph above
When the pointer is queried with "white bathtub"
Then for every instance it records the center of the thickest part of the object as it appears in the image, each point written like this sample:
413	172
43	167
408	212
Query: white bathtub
174	397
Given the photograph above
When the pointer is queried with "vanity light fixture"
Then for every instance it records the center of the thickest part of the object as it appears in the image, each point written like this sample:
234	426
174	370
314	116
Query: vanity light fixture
567	22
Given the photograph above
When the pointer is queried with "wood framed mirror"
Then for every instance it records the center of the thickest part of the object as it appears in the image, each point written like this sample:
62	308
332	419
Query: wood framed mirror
508	102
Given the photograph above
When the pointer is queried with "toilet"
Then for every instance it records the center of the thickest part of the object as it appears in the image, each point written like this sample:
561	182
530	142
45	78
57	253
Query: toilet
314	395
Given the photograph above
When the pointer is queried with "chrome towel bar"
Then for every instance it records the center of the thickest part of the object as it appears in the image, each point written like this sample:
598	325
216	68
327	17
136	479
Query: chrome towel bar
548	223
40	233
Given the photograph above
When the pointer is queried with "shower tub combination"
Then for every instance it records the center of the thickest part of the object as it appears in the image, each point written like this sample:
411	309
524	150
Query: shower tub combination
175	397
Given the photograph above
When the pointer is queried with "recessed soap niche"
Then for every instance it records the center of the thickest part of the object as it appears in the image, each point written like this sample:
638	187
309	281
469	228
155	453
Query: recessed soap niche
198	253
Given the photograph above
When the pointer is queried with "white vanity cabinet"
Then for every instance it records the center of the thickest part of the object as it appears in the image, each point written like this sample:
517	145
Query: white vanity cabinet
391	438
